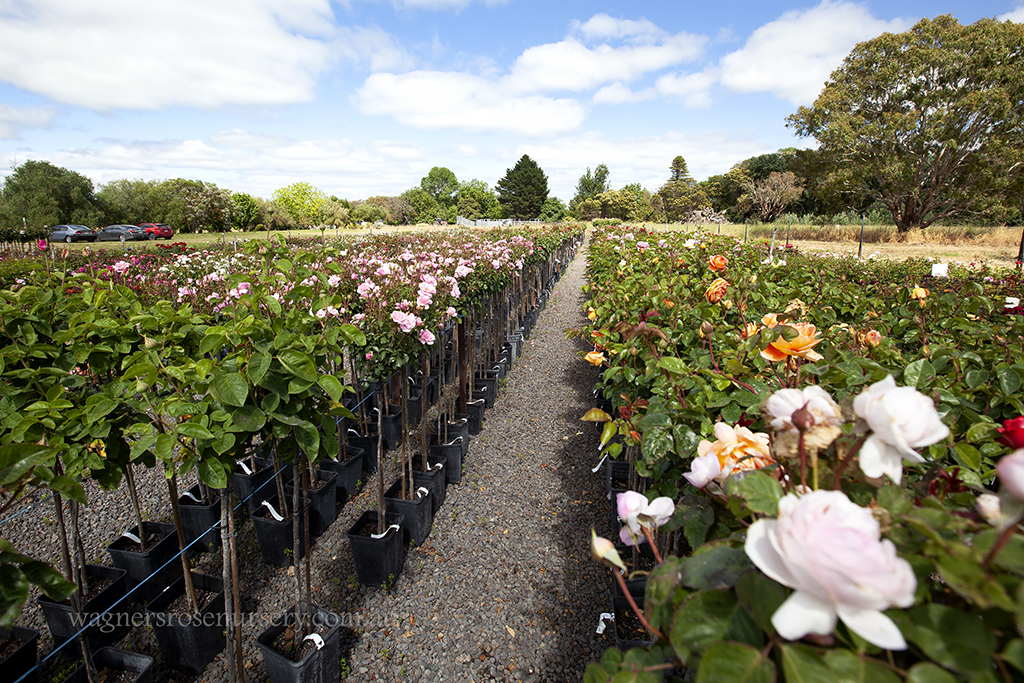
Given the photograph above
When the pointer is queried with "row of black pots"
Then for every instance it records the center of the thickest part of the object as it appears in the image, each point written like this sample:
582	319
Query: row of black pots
187	644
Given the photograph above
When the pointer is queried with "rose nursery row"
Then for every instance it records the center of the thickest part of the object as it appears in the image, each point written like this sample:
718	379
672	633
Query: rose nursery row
820	459
282	374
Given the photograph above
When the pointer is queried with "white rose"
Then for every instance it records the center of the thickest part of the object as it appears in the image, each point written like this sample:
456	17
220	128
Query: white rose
826	413
830	551
901	419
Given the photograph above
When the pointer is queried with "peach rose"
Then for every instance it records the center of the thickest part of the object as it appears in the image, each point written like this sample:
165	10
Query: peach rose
919	293
595	358
802	345
735	449
716	291
717	263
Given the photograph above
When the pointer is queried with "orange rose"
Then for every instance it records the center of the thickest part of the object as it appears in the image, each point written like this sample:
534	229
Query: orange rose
919	293
592	314
802	345
716	292
595	358
717	263
750	330
770	320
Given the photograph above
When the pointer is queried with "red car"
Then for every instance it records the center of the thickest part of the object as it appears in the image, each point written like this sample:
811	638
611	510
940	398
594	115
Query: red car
155	230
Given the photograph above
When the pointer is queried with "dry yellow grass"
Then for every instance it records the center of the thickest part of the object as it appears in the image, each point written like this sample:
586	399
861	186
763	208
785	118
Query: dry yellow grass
956	244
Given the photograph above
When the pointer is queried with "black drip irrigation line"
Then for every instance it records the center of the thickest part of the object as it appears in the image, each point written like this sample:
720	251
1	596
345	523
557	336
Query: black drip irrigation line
176	558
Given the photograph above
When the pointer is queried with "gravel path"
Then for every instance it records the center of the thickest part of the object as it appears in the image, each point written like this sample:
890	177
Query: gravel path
504	588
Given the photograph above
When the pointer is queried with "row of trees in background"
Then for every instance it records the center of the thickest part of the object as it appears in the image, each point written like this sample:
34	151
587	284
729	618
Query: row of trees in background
921	126
37	194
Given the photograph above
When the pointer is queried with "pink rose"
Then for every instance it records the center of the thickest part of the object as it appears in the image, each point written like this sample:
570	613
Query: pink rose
830	551
635	512
427	337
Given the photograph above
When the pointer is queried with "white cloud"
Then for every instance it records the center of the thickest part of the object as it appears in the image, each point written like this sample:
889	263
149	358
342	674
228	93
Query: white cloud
237	137
617	93
13	121
112	54
794	55
516	102
379	48
1016	15
605	26
338	167
437	100
444	4
571	65
693	89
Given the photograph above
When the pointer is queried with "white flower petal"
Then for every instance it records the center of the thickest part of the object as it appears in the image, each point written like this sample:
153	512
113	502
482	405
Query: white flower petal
872	626
660	510
762	553
878	458
802	613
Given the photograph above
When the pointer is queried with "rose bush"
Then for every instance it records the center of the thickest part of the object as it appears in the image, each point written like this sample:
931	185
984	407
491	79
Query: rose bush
887	410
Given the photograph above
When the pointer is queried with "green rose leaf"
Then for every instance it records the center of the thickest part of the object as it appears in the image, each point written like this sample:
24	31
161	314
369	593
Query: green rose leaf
49	580
801	663
718	567
13	594
257	366
926	672
952	638
229	388
735	662
332	386
761	492
211	471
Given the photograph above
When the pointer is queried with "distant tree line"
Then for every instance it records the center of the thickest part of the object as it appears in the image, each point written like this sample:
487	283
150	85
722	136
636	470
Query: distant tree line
924	126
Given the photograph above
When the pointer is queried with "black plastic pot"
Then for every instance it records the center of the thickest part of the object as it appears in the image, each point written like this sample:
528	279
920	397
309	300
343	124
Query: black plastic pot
616	478
487	382
378	561
391	426
141	666
150	572
252	487
275	538
197	521
621	606
17	664
637	586
449	430
475	412
321	665
414	406
350	473
189	642
436	479
111	627
419	513
452	454
367	444
322	510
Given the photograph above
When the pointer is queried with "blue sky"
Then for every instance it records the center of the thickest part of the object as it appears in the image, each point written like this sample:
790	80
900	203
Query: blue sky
363	97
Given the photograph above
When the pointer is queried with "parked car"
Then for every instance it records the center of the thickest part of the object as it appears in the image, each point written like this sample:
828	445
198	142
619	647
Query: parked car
154	230
72	233
122	233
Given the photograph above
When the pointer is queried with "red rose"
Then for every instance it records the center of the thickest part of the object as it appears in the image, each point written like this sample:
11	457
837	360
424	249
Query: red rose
1012	432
